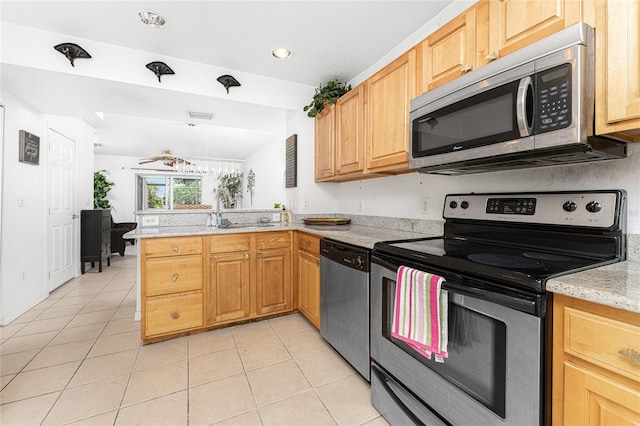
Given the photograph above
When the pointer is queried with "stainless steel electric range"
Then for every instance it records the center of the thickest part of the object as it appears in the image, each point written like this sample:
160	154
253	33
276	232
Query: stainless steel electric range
496	254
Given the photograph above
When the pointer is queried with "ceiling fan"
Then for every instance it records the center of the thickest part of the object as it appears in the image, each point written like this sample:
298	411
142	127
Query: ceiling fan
167	158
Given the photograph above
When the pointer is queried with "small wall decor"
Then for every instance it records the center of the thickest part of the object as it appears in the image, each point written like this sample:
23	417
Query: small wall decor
291	162
159	69
251	183
29	151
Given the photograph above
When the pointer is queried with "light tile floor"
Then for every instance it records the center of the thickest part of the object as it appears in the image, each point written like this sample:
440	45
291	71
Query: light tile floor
76	358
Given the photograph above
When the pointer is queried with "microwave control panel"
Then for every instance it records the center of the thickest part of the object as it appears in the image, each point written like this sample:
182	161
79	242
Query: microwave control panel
553	99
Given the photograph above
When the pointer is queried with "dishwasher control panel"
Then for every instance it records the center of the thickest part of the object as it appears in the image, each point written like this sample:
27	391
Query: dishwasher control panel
345	254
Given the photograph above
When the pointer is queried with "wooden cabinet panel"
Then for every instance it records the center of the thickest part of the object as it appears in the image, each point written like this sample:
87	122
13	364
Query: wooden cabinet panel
598	339
173	274
617	69
388	93
517	23
229	287
273	281
230	243
271	240
349	132
173	314
309	285
324	143
308	242
153	247
592	399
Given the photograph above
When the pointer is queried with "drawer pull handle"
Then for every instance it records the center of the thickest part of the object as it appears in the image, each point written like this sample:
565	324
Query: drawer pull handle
246	256
631	354
307	243
174	248
175	315
174	277
466	68
492	56
260	254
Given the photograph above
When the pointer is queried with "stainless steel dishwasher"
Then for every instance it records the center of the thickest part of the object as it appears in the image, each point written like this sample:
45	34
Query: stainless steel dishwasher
344	301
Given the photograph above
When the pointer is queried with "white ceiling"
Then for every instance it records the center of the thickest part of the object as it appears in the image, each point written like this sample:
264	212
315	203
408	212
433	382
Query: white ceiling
330	39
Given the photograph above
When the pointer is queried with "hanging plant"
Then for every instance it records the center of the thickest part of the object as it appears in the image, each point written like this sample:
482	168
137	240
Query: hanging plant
101	186
229	190
326	94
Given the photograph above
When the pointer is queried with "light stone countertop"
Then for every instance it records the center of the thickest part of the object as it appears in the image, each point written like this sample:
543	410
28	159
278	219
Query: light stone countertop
363	236
616	285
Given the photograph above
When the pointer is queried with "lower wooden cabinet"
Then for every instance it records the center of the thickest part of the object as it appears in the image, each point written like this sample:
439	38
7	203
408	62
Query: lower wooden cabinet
173	313
596	364
273	281
308	269
229	287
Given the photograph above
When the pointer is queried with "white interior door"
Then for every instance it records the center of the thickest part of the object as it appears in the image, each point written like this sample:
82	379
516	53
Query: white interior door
62	207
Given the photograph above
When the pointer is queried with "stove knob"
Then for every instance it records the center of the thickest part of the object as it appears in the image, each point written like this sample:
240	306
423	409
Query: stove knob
464	204
593	206
569	206
453	204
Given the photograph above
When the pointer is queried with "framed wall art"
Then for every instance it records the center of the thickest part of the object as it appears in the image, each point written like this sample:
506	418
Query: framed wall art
29	151
291	162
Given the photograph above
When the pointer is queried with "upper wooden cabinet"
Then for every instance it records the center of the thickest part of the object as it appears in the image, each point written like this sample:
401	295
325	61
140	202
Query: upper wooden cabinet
617	71
324	143
349	132
388	93
458	47
518	23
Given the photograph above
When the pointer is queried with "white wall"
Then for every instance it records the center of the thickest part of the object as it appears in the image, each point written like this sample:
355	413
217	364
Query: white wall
24	229
268	165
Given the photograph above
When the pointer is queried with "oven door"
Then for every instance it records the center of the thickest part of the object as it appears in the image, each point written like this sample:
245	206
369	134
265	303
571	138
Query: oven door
494	372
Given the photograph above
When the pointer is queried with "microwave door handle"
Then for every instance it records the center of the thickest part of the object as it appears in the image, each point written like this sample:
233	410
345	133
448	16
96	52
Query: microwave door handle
524	107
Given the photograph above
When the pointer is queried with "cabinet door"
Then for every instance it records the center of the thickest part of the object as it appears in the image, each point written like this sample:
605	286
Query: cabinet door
592	399
229	295
617	58
309	282
324	143
350	132
273	281
389	92
517	23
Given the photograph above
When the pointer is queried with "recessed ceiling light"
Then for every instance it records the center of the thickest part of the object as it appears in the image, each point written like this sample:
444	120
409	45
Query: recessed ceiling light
152	19
281	53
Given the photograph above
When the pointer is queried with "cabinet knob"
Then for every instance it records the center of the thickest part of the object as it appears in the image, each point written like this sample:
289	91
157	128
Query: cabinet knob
174	277
307	243
260	254
466	68
631	354
246	256
174	248
175	315
492	56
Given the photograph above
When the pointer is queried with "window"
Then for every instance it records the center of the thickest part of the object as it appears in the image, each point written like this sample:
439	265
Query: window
167	192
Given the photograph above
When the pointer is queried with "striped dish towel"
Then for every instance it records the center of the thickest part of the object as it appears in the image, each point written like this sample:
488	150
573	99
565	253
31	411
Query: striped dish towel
420	314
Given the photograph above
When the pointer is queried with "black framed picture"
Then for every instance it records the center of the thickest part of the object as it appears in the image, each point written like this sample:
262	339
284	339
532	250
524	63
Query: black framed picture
29	148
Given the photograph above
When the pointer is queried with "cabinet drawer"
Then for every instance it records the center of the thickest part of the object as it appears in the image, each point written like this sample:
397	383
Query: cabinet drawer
309	243
173	275
172	314
172	246
599	340
269	240
230	243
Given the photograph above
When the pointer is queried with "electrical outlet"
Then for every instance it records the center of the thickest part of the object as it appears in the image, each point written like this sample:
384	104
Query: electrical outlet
424	205
361	206
275	217
150	220
306	205
22	275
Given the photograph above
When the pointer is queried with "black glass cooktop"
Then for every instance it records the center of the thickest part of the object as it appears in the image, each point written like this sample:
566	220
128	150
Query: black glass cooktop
523	267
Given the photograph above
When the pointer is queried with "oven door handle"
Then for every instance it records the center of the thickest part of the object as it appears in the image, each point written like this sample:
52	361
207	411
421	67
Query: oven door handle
533	305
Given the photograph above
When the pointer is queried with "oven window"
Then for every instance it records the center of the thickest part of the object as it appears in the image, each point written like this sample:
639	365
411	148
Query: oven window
477	351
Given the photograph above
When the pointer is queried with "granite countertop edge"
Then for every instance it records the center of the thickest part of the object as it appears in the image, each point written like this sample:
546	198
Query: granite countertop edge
616	285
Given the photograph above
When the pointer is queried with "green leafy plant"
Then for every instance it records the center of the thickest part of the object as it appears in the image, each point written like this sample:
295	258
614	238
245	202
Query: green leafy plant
326	94
101	186
229	190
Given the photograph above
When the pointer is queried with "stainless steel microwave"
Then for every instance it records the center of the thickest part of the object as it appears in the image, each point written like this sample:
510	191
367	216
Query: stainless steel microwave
531	108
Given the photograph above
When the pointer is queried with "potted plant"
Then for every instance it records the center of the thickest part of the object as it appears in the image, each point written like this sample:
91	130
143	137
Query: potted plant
101	186
326	94
229	190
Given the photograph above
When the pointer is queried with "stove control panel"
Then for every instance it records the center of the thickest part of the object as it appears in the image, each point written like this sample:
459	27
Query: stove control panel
596	209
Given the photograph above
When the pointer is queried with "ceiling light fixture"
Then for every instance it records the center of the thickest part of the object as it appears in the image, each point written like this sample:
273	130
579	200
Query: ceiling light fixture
72	51
228	81
159	69
152	19
281	53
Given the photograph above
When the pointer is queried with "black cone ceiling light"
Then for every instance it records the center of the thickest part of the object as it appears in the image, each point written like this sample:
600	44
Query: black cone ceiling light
72	51
159	69
228	81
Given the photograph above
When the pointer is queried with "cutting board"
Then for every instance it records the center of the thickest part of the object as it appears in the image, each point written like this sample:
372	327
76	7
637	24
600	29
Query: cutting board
326	221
